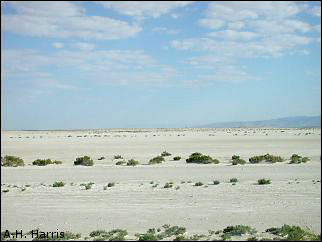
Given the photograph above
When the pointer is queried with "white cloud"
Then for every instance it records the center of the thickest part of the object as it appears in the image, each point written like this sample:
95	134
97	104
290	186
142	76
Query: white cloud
63	20
236	25
84	46
285	26
212	23
165	30
316	11
143	9
58	45
233	35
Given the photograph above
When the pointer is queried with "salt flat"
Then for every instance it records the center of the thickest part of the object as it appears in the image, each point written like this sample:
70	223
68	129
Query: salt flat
134	204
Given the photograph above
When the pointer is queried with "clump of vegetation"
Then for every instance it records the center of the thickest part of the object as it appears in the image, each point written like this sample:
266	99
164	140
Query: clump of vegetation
113	235
57	162
177	158
87	185
156	160
13	161
201	159
238	230
168	185
165	153
121	162
111	184
58	184
101	158
235	160
170	231
267	158
198	184
40	162
216	182
5	190
294	233
233	180
132	162
263	181
84	161
118	157
296	159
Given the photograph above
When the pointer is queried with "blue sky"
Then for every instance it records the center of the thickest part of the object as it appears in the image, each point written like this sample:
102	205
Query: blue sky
71	65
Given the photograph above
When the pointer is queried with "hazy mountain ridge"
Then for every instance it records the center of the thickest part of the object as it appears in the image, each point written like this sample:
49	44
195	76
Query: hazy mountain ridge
287	122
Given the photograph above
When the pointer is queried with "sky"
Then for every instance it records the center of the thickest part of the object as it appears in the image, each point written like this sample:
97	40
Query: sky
81	65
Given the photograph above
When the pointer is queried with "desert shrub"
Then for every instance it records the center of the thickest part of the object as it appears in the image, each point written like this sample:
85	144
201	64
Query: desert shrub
238	230
118	157
5	190
101	158
267	158
201	159
88	185
156	160
58	184
57	162
111	184
40	162
294	233
113	235
121	162
296	159
168	185
216	182
10	160
70	236
98	233
176	158
170	231
84	161
197	184
263	181
132	162
252	239
233	180
165	153
235	160
148	237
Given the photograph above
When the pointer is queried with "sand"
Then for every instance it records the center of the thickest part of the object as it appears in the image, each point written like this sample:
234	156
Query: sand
134	204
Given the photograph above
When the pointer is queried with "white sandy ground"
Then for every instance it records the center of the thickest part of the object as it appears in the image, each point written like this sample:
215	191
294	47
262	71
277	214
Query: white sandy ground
292	198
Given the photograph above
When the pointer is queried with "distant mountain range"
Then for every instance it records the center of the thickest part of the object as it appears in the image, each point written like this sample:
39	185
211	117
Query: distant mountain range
288	122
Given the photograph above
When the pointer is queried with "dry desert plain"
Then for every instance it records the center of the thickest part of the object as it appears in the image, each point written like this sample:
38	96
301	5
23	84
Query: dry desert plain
136	203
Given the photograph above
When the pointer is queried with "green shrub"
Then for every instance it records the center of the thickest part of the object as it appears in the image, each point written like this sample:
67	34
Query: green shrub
294	233
84	161
235	157
238	230
5	190
267	158
59	184
165	153
148	237
101	158
118	157
156	160
296	159
57	162
113	235
120	162
40	162
177	158
88	185
111	184
13	161
168	185
233	180
263	181
197	184
216	182
132	162
201	159
170	231
235	160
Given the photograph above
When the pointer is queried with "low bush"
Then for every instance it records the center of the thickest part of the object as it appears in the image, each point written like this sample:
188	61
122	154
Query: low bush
113	235
235	160
57	162
84	161
216	182
88	185
168	185
122	162
201	159
13	161
267	158
233	180
197	184
177	158
263	181
294	233
40	162
111	184
238	230
101	158
132	162
118	157
165	153
296	159
58	184
156	160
